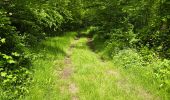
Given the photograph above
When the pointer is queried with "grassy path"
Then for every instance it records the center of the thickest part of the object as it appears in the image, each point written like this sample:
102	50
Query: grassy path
85	76
68	69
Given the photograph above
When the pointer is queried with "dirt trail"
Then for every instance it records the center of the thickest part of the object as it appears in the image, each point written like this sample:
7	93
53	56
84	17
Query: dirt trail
67	73
72	89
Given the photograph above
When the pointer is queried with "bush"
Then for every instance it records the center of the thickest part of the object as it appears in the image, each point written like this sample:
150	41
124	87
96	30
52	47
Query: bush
128	59
161	70
14	63
149	69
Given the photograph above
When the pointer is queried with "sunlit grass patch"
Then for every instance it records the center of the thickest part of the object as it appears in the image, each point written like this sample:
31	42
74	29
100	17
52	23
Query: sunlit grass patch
48	55
97	79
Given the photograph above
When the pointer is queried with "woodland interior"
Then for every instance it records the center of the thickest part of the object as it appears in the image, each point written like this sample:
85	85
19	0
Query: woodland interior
84	50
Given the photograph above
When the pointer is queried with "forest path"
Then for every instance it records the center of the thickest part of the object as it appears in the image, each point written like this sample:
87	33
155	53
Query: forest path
86	77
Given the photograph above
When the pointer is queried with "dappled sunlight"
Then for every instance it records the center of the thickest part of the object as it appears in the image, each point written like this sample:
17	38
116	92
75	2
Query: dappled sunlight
84	50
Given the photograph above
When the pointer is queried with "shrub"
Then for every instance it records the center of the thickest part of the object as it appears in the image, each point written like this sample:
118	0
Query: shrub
14	63
128	58
149	69
161	70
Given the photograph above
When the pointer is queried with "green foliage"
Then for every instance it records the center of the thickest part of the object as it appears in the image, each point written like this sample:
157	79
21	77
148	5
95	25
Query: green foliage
138	24
152	73
119	24
13	64
22	25
135	22
162	73
129	59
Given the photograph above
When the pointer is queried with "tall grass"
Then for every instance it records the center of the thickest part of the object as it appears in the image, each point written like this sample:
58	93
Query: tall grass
100	80
142	67
46	57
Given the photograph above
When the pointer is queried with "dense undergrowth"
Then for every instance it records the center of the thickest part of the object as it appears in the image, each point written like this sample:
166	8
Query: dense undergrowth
134	33
23	24
144	66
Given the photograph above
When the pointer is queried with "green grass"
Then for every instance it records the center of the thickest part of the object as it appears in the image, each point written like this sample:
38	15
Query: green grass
144	68
140	72
48	55
98	80
118	79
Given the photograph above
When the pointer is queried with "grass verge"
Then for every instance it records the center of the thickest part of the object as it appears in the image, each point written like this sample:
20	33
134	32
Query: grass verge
46	56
